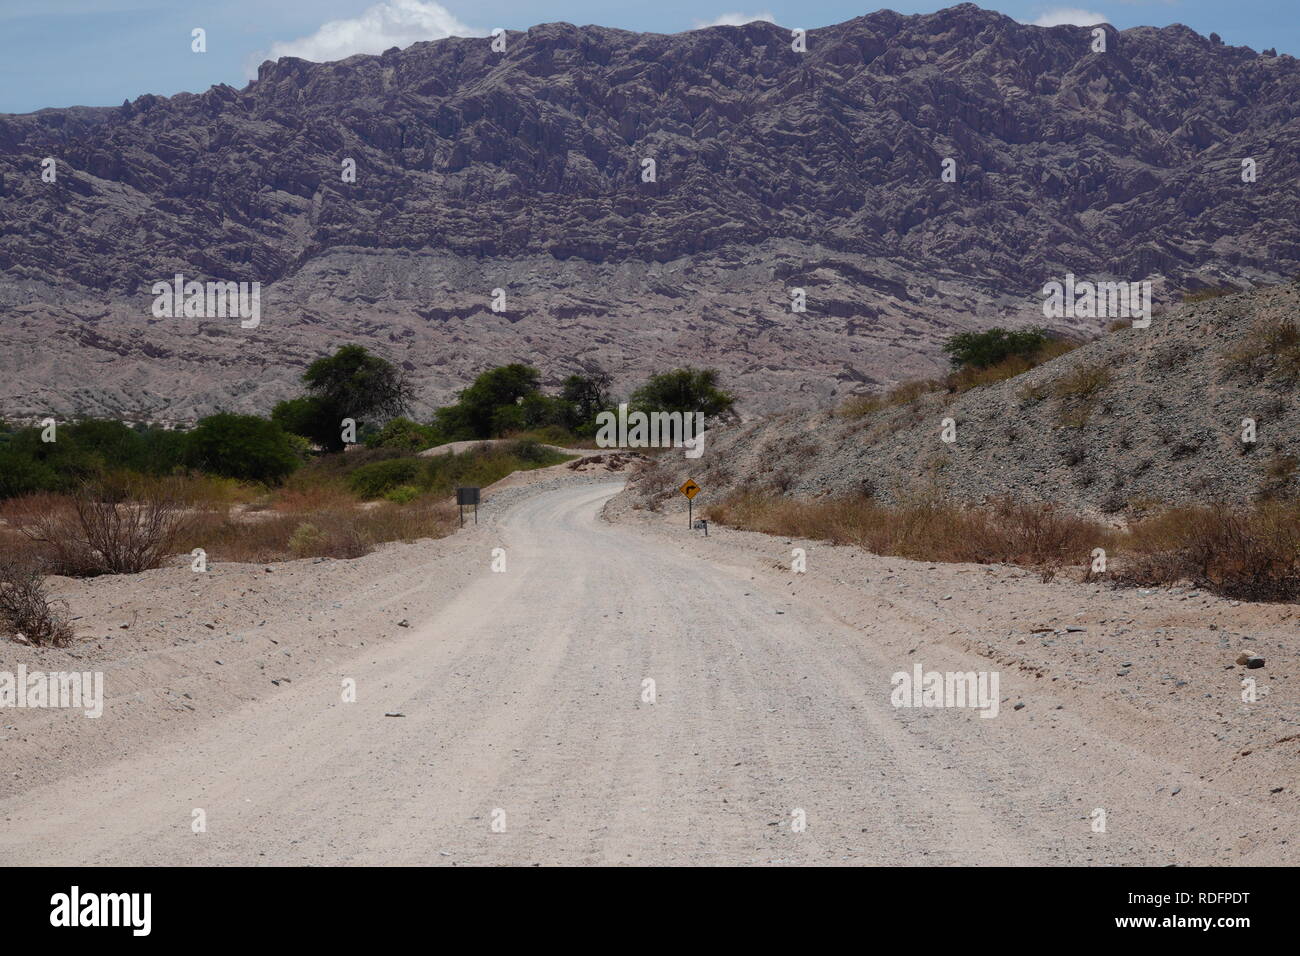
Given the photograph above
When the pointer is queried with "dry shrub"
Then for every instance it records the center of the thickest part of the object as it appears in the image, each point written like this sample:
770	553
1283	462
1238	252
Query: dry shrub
1210	292
26	609
1032	392
963	380
972	377
1250	554
214	493
802	448
306	539
304	497
1279	471
1013	365
1245	553
120	525
388	521
654	481
131	525
41	526
859	406
1077	392
1082	384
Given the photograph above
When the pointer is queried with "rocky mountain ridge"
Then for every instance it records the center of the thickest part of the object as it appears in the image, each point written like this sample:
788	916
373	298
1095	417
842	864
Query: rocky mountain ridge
523	171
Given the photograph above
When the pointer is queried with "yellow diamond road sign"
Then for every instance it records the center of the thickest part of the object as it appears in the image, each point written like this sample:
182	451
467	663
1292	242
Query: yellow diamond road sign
690	489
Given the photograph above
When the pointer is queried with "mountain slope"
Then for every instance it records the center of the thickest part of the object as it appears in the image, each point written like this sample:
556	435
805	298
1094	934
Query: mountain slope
775	170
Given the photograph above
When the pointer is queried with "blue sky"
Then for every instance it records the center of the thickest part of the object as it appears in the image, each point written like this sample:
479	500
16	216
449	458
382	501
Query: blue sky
100	52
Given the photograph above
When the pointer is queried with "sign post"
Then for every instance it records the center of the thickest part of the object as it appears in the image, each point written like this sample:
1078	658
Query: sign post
467	496
690	490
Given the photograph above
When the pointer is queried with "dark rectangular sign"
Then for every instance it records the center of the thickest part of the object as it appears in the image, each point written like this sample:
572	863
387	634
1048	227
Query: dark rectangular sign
466	496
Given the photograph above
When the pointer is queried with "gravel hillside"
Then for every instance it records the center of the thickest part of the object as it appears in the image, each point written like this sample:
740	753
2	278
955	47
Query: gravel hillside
1137	417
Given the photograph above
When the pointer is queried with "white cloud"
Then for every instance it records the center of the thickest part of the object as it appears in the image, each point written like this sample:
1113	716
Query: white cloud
733	20
394	23
1069	16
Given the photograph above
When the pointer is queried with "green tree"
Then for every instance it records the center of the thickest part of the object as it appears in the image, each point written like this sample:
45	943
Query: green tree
307	416
451	423
683	390
67	461
492	390
241	446
161	450
351	383
114	443
585	396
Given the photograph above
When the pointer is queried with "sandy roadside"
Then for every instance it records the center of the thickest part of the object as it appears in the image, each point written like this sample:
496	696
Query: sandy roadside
178	648
1127	684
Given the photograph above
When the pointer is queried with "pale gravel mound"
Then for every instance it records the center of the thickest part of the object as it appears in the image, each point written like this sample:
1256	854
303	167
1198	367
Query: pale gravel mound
456	447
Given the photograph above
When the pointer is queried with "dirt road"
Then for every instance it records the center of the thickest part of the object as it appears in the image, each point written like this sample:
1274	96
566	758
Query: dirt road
526	736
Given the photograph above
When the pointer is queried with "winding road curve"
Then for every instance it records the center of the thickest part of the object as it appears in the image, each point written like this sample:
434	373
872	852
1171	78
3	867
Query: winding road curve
526	737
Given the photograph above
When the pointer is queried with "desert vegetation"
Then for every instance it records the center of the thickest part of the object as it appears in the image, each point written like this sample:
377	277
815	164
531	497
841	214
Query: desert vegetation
1244	553
978	359
331	474
925	529
351	399
1247	548
339	506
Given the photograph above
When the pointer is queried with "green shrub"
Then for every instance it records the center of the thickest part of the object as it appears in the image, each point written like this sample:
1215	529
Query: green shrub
20	474
241	446
378	478
403	494
404	434
988	348
531	452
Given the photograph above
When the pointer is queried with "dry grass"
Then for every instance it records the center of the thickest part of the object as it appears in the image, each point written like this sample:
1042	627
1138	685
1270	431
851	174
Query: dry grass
926	529
1270	350
861	406
1279	472
1082	384
968	378
303	498
1243	553
103	532
1204	295
347	531
1077	392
